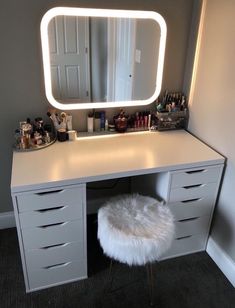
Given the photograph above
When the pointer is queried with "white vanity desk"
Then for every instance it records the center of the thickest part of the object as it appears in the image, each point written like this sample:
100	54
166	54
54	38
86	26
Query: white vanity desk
49	195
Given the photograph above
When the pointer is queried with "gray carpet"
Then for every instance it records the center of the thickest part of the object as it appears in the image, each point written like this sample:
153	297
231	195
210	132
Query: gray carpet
189	281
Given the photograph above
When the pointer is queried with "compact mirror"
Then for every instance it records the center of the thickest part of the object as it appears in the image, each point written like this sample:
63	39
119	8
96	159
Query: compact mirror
97	58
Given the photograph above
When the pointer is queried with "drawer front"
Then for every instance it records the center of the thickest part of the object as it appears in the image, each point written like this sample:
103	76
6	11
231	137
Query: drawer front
195	176
192	192
52	255
192	226
50	215
192	207
186	245
39	237
49	199
57	274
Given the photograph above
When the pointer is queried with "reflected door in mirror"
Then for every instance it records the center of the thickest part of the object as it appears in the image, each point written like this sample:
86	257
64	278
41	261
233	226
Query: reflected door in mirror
69	47
121	48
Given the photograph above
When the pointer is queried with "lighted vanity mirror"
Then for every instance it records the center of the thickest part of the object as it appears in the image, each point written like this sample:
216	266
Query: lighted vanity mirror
97	58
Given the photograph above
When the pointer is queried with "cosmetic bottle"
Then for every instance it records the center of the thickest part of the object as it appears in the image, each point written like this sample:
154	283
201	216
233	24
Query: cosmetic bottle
69	122
102	120
90	123
149	121
145	119
106	125
97	121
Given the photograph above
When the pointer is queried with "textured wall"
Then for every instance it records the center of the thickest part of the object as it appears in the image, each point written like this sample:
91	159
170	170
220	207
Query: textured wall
21	86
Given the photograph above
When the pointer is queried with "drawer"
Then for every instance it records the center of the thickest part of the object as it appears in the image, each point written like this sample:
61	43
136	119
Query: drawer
43	236
57	274
195	176
192	207
50	215
50	199
192	226
192	192
56	254
186	245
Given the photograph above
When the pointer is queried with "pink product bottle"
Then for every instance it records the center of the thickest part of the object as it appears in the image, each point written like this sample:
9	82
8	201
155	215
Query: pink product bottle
141	121
137	120
146	120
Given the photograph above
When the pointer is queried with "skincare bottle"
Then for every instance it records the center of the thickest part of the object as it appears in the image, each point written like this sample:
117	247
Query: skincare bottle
69	122
97	121
106	125
90	123
102	120
149	121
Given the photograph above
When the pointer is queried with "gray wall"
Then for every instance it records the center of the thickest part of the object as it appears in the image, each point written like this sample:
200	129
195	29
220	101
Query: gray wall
213	109
21	87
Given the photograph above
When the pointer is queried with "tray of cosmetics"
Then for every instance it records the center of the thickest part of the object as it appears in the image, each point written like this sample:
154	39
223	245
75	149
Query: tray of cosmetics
34	135
172	111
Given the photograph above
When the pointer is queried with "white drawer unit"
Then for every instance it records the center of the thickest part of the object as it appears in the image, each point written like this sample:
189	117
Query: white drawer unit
43	236
195	207
57	254
56	274
191	197
186	245
51	227
192	191
52	215
49	199
191	226
183	178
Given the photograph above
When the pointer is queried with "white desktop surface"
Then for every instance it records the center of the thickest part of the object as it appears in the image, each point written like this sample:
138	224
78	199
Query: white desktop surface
107	157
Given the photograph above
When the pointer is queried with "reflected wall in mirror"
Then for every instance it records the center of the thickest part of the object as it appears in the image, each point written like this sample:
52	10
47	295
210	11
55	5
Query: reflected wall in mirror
102	58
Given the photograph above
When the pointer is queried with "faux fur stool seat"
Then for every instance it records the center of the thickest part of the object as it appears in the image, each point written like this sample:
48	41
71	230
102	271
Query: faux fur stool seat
135	229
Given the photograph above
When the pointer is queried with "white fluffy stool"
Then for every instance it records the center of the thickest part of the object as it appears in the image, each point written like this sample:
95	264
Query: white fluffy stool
135	229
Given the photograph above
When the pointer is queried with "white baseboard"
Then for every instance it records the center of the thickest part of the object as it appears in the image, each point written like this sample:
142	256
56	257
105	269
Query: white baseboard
7	220
222	259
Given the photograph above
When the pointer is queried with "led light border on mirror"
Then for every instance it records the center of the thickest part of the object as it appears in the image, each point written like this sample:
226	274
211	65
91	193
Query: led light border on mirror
69	11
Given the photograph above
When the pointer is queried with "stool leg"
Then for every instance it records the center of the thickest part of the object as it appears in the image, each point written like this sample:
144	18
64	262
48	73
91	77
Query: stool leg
150	278
110	268
110	276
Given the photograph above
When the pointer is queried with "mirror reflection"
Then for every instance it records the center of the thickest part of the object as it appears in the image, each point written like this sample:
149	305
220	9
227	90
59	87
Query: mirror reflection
99	59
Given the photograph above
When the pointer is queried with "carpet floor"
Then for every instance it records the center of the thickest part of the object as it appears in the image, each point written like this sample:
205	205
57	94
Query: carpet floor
189	281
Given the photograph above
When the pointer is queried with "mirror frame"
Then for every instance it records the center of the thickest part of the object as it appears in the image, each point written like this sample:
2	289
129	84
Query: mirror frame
72	11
